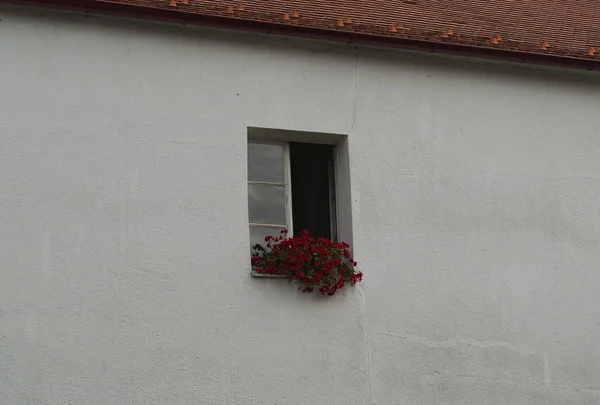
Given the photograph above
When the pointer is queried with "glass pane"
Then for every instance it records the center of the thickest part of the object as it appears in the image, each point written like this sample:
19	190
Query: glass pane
265	163
258	235
266	204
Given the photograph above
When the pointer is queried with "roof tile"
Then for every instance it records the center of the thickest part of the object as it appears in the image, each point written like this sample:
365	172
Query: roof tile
569	26
547	27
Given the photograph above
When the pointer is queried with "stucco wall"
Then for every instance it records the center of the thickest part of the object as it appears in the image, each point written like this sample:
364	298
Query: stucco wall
124	276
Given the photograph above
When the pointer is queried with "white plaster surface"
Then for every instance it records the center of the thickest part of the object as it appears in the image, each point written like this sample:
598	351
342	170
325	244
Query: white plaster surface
124	276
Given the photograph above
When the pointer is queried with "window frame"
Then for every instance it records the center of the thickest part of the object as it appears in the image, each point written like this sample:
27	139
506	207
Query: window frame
342	173
287	184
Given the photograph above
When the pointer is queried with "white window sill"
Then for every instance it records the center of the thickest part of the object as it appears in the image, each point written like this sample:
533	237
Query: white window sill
253	273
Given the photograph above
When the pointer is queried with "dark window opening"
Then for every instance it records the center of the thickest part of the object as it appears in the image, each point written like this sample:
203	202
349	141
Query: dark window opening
313	189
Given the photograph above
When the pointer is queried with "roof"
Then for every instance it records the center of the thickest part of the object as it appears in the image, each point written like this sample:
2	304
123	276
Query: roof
564	32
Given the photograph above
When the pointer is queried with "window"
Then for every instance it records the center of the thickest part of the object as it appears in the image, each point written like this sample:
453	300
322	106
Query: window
269	191
291	185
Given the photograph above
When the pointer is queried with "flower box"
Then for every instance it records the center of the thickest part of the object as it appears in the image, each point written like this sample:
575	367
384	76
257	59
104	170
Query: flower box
308	261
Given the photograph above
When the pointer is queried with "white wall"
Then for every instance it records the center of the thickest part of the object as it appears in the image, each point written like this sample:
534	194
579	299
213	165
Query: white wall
124	276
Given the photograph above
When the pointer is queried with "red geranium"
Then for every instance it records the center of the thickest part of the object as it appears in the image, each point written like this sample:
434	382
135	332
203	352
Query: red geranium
309	261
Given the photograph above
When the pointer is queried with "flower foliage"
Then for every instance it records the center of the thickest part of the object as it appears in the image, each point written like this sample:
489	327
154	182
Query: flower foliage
312	262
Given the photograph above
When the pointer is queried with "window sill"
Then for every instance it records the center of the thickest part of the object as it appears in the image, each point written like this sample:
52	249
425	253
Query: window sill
253	273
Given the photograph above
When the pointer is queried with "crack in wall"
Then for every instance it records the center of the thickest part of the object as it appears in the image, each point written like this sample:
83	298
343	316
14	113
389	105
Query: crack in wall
364	320
355	87
522	350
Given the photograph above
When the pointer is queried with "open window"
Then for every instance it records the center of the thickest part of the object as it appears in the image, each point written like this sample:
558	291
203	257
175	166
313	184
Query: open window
296	185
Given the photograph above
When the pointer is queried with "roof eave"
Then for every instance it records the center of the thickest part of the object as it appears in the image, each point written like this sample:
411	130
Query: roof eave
174	15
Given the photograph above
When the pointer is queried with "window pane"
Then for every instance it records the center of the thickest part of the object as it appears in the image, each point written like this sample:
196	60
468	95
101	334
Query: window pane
258	235
266	204
265	163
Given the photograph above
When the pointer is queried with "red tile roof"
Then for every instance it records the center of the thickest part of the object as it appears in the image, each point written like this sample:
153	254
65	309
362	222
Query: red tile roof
546	31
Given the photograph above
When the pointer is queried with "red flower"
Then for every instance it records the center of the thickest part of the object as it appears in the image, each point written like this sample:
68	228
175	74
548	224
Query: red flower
308	261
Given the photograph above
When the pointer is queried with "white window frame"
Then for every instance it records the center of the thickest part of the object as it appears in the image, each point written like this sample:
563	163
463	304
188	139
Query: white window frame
343	182
341	188
287	184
